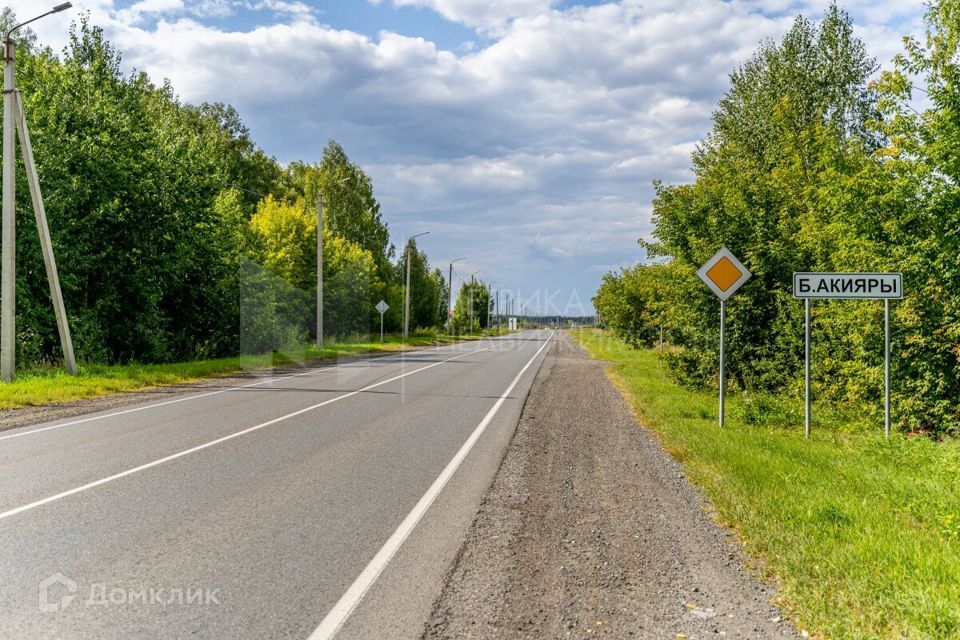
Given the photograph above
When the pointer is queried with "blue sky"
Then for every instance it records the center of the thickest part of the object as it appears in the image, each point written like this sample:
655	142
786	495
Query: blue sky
523	134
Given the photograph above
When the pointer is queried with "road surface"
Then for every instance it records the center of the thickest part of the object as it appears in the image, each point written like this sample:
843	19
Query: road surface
328	502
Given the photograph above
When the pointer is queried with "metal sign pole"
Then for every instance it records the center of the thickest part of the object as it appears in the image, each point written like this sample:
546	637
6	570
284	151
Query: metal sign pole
806	367
723	376
886	367
381	327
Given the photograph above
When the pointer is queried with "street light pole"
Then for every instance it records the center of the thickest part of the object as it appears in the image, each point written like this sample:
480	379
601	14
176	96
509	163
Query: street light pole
450	297
489	285
319	270
406	296
8	237
471	299
8	278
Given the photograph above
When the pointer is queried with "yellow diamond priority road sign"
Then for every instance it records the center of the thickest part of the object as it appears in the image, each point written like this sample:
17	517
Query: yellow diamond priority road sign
723	273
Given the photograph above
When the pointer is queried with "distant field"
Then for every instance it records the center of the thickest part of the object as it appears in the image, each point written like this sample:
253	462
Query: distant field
34	387
862	534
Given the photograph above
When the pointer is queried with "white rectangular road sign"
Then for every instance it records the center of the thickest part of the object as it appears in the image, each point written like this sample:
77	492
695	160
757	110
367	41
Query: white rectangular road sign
382	307
847	285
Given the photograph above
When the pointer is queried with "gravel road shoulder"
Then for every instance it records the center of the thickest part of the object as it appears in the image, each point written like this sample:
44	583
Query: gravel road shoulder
591	530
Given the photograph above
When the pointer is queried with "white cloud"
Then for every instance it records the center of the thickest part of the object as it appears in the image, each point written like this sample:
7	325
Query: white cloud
489	15
137	11
534	153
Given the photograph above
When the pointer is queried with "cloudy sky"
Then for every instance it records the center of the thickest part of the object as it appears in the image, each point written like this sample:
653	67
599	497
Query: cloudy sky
523	134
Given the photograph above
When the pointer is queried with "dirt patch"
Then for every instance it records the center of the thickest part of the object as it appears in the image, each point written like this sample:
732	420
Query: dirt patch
590	530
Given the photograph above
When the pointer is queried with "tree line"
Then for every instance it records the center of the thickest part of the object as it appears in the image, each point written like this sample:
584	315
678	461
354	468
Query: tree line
176	236
817	162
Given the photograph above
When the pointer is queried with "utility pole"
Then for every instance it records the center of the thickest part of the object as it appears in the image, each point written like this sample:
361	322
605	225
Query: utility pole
13	121
450	297
320	269
472	281
489	285
406	296
8	278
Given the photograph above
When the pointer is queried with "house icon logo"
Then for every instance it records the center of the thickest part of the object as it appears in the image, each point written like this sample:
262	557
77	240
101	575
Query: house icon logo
48	600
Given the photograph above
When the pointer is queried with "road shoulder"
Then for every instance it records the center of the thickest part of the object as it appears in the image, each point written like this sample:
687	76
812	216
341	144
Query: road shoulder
590	529
38	414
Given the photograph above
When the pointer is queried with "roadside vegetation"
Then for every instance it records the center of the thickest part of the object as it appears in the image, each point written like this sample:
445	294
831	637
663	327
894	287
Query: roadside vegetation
818	160
862	534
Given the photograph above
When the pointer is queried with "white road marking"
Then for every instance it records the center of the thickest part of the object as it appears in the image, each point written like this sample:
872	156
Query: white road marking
96	483
154	405
351	598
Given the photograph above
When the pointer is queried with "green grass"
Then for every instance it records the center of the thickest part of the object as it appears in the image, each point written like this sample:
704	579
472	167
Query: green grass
862	534
48	385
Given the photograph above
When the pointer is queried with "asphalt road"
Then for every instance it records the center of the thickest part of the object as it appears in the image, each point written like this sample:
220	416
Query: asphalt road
329	502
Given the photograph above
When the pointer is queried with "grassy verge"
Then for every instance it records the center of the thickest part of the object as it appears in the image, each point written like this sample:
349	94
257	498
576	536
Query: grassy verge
863	534
44	386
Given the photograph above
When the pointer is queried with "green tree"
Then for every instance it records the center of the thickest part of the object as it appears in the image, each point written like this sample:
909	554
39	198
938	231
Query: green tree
426	287
350	208
131	178
470	312
285	241
791	131
635	302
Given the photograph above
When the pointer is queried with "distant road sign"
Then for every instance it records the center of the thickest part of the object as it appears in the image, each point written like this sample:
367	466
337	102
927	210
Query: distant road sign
847	285
382	308
723	273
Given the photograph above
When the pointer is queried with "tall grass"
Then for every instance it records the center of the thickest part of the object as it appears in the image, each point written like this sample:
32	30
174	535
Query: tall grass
863	534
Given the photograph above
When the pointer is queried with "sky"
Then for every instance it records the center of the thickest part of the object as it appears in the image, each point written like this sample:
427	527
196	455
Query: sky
524	135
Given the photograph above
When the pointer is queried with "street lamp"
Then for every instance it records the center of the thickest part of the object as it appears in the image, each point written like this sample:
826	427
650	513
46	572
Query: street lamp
406	296
14	124
320	260
450	296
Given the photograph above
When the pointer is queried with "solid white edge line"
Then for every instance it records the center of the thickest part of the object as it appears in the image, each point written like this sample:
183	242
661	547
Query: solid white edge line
96	483
345	606
154	405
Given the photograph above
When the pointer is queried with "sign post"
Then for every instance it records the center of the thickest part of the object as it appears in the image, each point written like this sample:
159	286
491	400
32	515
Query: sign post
849	286
724	274
806	365
382	308
886	367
